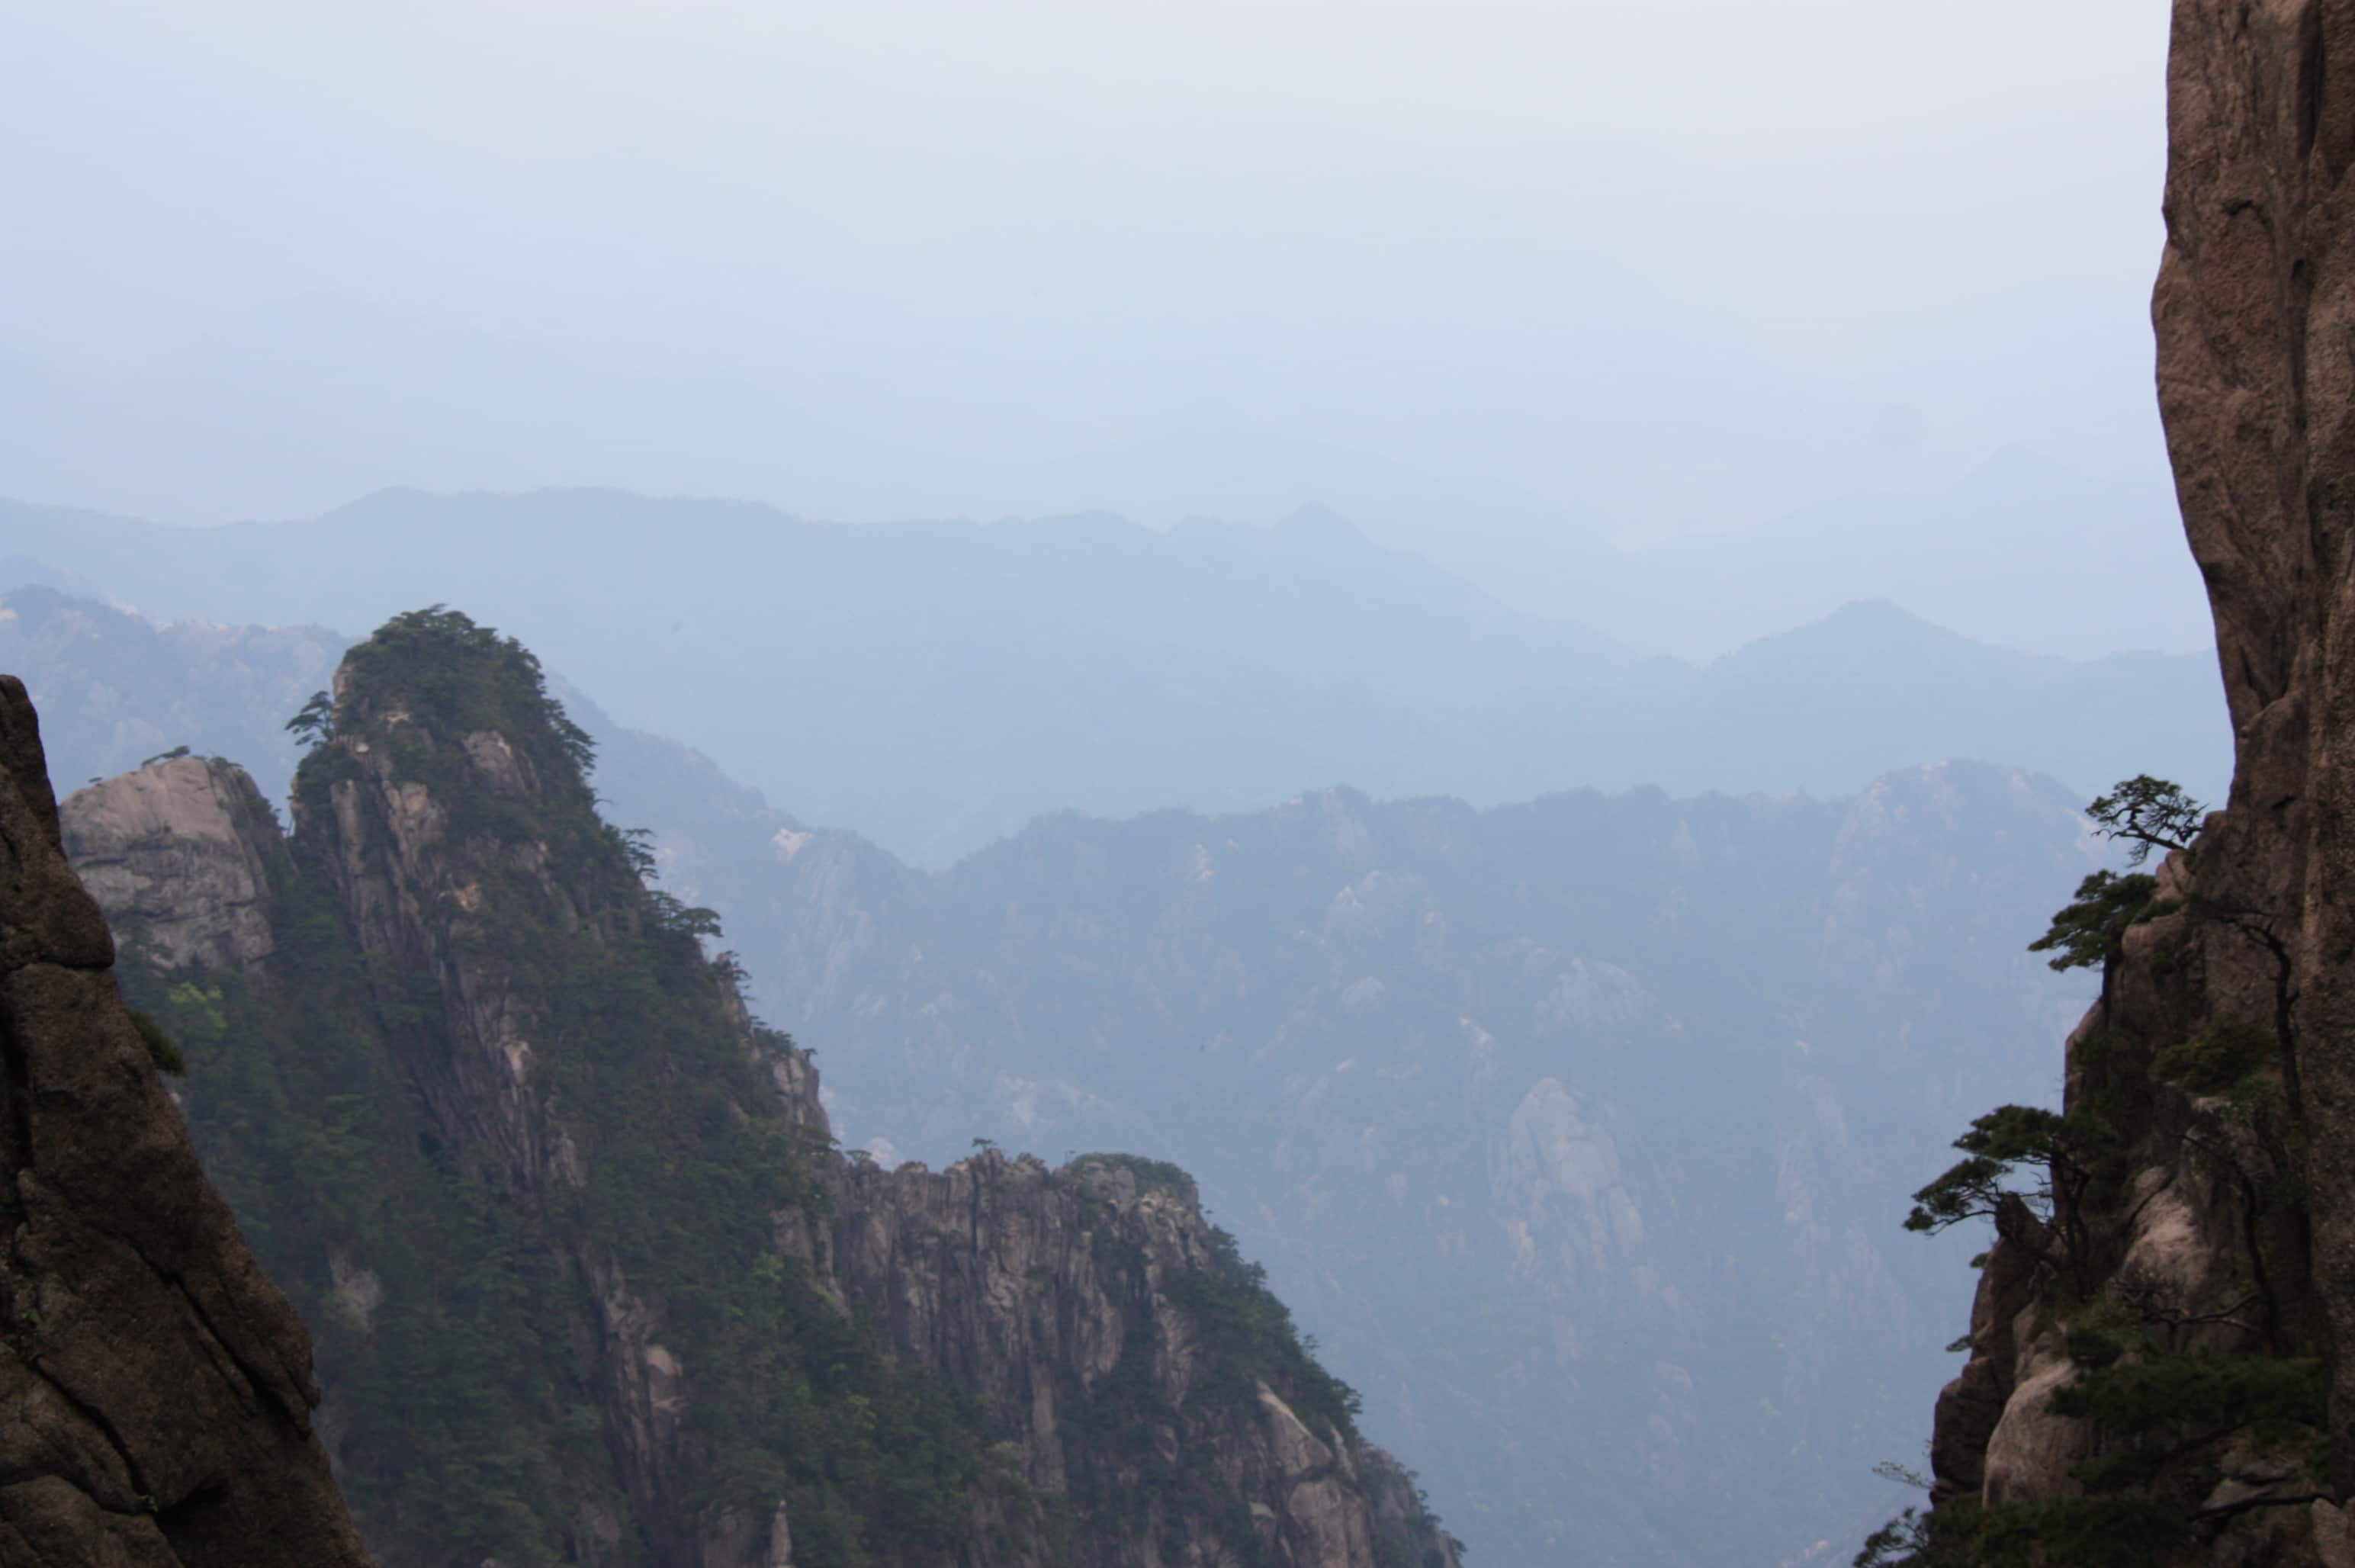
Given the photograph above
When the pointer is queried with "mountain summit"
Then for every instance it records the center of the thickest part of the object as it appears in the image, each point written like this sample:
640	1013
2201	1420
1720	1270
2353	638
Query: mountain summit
591	1281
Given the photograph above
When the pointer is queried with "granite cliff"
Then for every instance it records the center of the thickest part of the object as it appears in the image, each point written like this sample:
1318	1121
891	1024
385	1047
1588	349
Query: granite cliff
156	1388
2162	1364
590	1282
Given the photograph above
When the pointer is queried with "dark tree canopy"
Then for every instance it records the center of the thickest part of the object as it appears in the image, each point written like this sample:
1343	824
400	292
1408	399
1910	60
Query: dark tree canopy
2091	930
2056	1154
317	720
1998	1144
2148	814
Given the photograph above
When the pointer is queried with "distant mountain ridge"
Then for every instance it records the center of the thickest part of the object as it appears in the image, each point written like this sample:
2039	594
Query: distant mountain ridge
1587	1021
1578	1130
1871	688
938	685
2021	550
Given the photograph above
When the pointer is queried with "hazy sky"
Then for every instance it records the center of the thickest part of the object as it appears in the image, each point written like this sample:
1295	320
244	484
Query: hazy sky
1658	266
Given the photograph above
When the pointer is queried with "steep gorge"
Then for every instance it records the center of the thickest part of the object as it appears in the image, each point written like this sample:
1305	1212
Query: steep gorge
590	1281
2163	1367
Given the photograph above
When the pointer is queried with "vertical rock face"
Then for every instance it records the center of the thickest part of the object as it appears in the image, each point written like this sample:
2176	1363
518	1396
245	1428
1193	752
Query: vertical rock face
2173	1353
156	1388
2255	313
590	1283
1109	1330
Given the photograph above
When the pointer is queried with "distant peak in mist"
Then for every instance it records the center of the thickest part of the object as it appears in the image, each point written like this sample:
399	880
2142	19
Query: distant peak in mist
1317	521
1872	629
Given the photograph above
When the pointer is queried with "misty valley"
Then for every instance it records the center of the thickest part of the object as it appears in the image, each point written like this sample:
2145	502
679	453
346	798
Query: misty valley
1515	798
1578	1130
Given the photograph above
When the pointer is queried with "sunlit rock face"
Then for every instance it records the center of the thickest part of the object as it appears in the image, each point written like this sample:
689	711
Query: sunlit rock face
176	852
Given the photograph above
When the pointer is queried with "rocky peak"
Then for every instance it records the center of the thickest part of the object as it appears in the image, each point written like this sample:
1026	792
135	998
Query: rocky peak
443	764
592	1284
156	1388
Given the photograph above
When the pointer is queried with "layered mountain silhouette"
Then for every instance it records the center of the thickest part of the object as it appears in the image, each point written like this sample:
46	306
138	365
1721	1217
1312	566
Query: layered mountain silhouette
1578	1129
938	685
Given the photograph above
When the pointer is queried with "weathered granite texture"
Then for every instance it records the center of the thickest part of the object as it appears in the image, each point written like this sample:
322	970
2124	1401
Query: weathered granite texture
155	1387
171	851
2230	1228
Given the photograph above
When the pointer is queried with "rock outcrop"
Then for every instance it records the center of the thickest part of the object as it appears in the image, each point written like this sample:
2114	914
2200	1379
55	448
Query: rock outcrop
156	1388
590	1283
175	853
1095	1315
2171	1361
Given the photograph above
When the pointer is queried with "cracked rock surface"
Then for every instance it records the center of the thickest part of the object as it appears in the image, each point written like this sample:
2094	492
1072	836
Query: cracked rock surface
155	1387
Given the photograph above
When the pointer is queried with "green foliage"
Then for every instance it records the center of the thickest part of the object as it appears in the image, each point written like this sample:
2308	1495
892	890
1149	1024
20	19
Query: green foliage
2062	1156
455	1281
438	1281
317	719
2148	814
669	913
878	1459
2059	1532
637	847
457	1440
1904	1475
1903	1539
1135	1456
2090	930
681	919
2197	1395
2169	1409
2144	813
1417	1544
2153	1411
1998	1145
2094	1346
2218	1060
199	1011
173	755
1151	1175
160	1049
2168	1406
1250	1339
438	662
2083	1532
